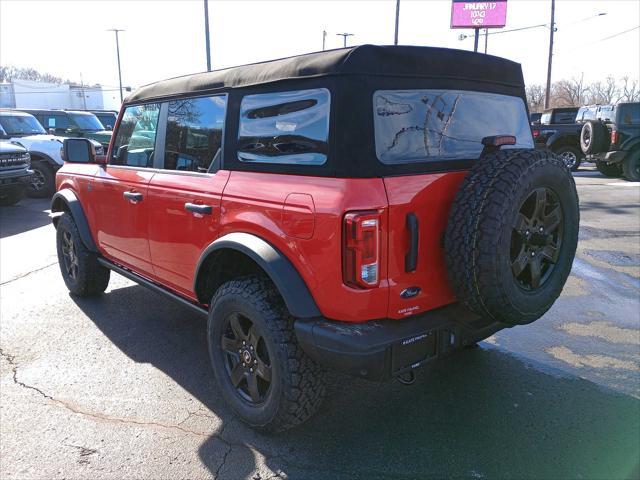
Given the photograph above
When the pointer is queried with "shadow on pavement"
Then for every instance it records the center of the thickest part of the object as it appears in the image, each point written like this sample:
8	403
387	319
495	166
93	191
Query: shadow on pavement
482	413
26	215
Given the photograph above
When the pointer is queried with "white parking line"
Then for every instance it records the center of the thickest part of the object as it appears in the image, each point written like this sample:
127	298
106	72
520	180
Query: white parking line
624	184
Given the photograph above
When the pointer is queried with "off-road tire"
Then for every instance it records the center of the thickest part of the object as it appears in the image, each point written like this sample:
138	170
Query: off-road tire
297	382
91	278
43	181
631	167
612	170
594	137
575	153
482	221
12	196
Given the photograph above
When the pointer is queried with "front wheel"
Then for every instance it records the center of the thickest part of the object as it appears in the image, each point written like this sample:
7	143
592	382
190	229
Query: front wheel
264	375
43	180
80	269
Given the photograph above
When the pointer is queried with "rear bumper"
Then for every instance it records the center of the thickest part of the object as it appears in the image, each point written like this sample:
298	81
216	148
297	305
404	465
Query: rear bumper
381	349
609	157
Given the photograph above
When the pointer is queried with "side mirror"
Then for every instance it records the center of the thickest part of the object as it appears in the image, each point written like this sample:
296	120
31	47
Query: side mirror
83	150
52	131
109	127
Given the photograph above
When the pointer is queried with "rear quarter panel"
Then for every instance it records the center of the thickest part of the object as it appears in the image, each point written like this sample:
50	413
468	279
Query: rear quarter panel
255	203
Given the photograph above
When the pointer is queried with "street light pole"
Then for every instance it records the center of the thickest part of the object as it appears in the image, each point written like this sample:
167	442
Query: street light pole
324	38
486	39
206	34
552	28
395	40
476	37
116	30
344	37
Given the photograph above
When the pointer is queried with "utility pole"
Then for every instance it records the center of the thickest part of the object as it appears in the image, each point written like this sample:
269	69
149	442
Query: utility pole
552	28
486	39
116	30
344	37
324	38
206	33
84	100
395	40
476	37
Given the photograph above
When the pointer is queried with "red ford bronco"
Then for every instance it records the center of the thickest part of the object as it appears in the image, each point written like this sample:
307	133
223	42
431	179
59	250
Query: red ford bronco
367	209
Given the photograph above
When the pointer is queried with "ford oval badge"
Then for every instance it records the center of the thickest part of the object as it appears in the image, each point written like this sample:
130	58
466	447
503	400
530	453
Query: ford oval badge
410	292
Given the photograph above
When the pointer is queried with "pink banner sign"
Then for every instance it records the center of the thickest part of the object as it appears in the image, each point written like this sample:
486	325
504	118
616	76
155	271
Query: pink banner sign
466	14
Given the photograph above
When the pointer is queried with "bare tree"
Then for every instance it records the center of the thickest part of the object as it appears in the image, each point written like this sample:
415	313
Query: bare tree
9	73
604	92
569	93
629	90
535	97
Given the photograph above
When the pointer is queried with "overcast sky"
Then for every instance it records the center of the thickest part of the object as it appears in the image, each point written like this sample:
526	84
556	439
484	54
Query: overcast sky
166	38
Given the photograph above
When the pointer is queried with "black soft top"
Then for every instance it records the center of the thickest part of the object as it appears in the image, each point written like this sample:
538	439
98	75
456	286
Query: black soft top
366	60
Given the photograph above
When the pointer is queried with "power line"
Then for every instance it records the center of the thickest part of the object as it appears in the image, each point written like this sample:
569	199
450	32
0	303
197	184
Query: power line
598	41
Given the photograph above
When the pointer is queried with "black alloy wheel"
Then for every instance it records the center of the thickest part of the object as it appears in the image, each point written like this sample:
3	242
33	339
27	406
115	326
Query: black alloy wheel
536	239
70	255
247	360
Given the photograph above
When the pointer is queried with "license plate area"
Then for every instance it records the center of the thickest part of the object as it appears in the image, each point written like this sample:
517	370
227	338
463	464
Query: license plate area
413	352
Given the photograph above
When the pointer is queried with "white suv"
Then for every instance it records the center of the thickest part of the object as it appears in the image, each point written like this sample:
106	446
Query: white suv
24	129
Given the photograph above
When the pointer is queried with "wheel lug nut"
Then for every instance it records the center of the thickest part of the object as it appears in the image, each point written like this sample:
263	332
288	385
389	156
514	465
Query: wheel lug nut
533	254
244	364
251	370
255	362
251	347
244	343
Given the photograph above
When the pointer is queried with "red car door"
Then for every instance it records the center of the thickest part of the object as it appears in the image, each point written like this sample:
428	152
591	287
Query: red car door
185	194
121	206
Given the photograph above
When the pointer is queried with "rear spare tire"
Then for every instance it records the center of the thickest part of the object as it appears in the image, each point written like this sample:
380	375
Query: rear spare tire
512	235
594	138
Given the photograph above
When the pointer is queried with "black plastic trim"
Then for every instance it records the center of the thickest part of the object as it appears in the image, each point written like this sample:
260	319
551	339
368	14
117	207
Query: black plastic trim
286	278
153	286
69	198
371	349
411	258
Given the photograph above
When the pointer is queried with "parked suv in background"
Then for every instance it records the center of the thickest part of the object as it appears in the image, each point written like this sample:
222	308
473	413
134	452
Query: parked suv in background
71	123
612	140
15	175
342	209
107	118
22	128
558	132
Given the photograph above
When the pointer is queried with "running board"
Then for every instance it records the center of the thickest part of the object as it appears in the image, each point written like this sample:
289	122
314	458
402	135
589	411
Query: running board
152	286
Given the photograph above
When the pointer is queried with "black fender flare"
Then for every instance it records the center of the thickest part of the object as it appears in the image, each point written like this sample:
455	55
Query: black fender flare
558	140
50	161
276	265
66	199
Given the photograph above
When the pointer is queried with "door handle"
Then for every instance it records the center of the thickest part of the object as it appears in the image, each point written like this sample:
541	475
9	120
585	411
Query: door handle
411	258
133	196
198	208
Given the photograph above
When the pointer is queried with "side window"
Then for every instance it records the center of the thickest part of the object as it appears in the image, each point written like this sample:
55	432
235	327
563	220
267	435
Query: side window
285	127
194	133
136	136
61	121
630	114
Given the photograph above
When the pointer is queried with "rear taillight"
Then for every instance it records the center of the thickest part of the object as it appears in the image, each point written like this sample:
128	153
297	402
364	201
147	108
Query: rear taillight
614	137
536	133
361	249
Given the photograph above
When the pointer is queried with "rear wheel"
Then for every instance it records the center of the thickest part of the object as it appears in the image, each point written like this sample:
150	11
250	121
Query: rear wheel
512	235
80	269
609	169
571	157
631	167
264	375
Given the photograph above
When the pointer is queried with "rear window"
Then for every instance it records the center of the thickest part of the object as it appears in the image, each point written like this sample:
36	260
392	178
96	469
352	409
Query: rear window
285	127
433	125
565	117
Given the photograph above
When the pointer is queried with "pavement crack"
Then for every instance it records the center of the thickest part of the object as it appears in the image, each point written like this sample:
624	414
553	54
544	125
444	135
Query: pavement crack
6	282
14	368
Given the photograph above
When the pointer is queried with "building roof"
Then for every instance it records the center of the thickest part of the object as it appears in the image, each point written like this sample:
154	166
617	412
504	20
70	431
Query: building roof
370	60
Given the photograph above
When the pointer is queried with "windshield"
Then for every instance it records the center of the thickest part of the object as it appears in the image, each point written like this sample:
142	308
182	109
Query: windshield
15	125
87	121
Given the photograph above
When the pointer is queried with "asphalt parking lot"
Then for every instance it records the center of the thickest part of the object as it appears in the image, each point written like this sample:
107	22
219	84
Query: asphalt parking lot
121	387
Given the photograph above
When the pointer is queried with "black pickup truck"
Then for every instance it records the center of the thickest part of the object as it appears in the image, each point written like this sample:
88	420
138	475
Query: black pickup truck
558	132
